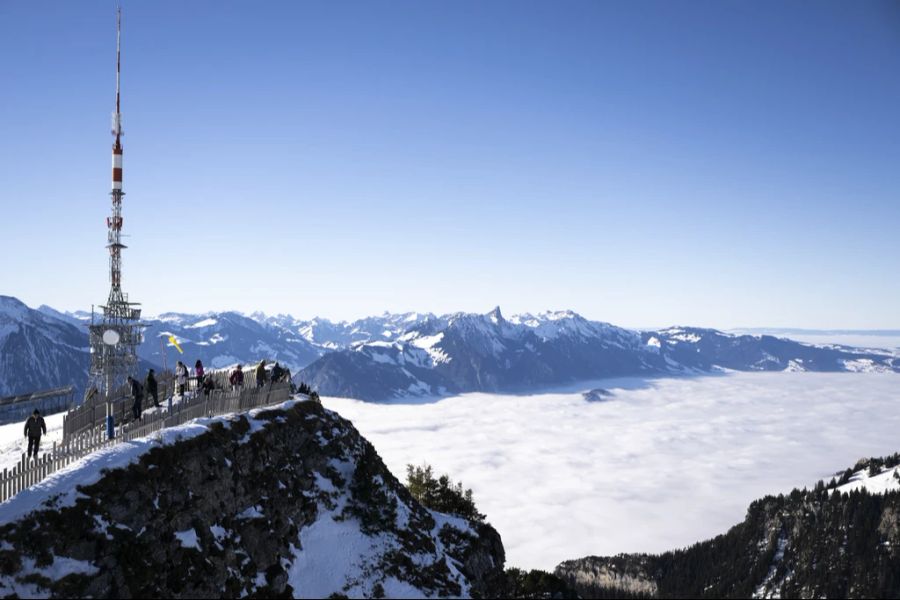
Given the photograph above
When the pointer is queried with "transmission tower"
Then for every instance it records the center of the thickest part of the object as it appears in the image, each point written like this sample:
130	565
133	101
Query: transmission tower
117	331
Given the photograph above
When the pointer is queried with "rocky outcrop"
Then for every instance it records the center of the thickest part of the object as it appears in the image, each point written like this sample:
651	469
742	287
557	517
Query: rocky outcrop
620	574
288	502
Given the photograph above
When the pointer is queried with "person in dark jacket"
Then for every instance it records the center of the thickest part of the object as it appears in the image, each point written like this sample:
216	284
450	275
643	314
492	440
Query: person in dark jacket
137	392
237	378
198	371
152	387
261	373
208	385
277	373
34	428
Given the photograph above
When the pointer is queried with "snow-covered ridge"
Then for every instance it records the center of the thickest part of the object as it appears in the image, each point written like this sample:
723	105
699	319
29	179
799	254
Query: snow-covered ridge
887	480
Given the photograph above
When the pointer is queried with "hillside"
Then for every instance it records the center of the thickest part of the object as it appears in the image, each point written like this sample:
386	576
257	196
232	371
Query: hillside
284	502
839	540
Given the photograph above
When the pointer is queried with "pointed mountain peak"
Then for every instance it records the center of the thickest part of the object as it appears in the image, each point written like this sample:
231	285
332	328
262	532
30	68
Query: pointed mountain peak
495	315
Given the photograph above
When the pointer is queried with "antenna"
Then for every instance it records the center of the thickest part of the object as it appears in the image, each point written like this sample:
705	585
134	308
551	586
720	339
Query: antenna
115	337
117	115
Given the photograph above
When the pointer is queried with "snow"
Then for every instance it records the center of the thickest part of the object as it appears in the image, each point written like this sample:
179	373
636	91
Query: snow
330	554
863	365
762	590
254	512
13	443
204	323
188	538
886	481
428	343
680	335
59	568
218	532
334	556
561	477
795	366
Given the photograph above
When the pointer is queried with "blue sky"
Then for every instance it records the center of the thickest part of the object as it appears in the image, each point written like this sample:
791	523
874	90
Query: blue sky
710	163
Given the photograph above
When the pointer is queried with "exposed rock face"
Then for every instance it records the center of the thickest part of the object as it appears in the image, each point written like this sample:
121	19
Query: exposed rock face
621	574
824	543
291	502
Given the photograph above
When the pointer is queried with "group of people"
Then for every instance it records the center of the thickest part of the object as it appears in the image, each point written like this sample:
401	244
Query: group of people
35	425
205	382
279	374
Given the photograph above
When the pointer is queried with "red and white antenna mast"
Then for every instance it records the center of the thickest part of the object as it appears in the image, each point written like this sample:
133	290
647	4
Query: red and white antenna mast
114	223
115	337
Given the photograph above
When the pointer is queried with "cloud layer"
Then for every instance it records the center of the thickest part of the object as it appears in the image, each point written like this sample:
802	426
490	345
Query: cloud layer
660	464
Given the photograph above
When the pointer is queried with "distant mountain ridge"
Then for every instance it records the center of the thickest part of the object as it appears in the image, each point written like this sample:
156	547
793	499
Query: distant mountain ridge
466	352
410	354
37	350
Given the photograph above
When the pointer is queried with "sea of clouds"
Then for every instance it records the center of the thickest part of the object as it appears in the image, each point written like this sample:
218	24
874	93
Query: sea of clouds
659	464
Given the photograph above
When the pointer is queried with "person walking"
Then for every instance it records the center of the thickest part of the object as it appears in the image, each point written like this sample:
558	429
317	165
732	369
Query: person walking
198	371
261	373
137	392
181	377
34	428
237	378
152	387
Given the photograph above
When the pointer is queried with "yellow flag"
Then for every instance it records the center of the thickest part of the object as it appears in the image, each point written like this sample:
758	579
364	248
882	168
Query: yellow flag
174	342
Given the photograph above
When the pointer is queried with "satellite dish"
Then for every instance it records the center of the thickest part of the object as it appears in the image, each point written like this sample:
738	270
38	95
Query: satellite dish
110	337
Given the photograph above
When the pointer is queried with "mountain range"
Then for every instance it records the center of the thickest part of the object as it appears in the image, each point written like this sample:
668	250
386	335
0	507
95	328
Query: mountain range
412	354
467	352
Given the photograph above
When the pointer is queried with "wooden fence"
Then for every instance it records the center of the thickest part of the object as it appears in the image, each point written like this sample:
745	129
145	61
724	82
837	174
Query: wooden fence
74	446
93	413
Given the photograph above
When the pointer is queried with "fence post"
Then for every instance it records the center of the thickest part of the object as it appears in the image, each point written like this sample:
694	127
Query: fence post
110	422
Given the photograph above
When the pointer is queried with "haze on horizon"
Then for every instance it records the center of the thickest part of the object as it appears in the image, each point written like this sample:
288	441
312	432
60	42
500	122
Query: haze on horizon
711	164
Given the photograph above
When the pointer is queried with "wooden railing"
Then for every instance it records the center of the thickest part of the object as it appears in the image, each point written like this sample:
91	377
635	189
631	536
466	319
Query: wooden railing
74	446
93	413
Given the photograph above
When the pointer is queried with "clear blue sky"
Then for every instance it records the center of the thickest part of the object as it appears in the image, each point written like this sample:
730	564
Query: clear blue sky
707	163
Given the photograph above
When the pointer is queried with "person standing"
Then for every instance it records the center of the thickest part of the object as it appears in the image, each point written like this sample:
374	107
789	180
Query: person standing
198	371
277	373
152	387
181	377
137	392
237	378
34	428
208	385
261	373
